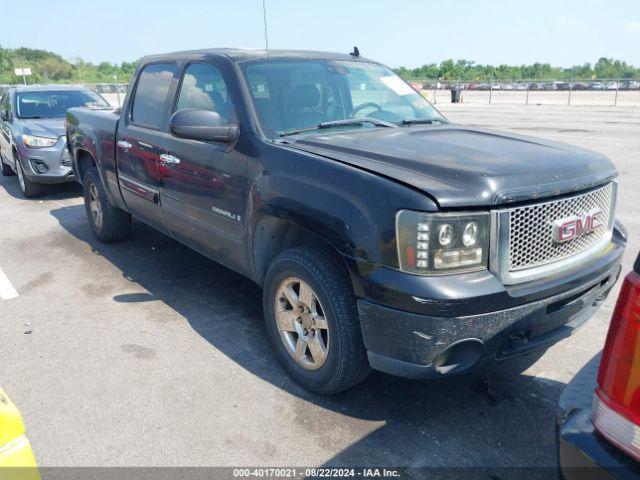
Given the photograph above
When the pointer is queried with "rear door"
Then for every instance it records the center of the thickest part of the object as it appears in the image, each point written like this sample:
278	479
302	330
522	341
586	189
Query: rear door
202	188
139	140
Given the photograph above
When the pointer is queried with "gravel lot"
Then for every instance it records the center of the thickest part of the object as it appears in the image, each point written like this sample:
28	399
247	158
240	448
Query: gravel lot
145	353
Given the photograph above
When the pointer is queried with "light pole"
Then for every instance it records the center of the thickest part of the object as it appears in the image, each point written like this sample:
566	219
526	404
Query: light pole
570	87
115	79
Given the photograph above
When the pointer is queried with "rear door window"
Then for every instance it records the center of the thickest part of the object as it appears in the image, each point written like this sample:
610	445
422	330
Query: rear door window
151	95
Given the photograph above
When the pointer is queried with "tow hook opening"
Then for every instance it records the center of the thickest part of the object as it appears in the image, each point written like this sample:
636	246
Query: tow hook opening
459	356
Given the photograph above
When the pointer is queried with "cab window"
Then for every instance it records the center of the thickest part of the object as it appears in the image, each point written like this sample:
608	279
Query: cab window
151	94
204	88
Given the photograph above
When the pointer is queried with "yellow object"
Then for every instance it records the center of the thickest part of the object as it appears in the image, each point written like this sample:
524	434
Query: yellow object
16	457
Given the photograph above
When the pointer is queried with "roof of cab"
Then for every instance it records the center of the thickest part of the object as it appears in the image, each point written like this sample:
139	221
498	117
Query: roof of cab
244	55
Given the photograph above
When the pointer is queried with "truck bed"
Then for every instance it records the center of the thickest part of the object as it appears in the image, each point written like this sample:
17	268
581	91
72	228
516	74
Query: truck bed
102	122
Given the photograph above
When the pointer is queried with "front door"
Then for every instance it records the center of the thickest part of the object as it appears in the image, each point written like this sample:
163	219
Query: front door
202	187
139	140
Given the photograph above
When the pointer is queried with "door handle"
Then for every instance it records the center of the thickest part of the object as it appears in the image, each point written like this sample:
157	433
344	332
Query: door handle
169	159
123	144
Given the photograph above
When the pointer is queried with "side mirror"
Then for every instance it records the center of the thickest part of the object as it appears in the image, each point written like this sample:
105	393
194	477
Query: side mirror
4	115
203	125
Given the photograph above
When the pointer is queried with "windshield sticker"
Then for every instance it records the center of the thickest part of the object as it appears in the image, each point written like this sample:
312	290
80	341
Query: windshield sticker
397	85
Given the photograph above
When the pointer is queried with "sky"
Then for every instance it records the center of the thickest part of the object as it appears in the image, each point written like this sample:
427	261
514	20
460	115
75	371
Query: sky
396	32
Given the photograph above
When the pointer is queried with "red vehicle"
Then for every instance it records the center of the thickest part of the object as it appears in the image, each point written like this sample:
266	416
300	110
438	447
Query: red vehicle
599	420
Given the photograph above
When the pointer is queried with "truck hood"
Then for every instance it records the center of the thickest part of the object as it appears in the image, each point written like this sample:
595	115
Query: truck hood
43	127
465	167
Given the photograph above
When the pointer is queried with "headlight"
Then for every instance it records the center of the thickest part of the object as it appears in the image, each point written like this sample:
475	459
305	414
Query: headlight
440	243
31	141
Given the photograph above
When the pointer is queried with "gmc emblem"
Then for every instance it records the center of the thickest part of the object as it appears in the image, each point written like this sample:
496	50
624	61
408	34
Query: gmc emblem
567	229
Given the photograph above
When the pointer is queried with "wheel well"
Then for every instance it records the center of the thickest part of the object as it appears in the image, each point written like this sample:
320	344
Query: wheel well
273	236
84	161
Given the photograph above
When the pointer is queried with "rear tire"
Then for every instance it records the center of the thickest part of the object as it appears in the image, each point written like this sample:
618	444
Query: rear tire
6	169
333	312
108	223
29	189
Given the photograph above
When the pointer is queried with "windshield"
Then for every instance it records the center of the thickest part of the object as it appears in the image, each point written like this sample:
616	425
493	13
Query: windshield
299	94
54	104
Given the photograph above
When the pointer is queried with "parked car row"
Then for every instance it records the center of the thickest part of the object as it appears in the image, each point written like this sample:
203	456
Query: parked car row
523	86
109	88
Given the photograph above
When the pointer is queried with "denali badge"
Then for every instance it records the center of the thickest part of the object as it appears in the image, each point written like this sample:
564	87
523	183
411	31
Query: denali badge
570	228
225	213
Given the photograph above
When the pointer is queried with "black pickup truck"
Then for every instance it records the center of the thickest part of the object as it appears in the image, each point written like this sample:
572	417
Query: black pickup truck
383	236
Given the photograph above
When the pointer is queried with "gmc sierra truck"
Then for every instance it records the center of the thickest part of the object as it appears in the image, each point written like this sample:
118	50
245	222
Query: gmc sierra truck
382	235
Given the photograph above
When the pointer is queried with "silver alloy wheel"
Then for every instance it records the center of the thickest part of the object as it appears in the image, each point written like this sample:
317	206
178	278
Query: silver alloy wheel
302	323
20	176
94	206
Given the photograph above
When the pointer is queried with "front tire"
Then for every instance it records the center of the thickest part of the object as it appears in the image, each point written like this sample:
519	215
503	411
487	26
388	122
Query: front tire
108	223
312	320
29	189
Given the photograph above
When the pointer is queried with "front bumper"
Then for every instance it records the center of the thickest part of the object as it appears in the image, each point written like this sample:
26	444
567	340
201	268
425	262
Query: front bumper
56	159
457	322
582	453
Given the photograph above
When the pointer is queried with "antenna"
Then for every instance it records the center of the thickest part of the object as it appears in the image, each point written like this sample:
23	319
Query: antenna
266	32
355	53
266	48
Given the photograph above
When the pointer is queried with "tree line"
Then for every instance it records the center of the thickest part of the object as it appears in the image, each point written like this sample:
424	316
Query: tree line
48	67
468	70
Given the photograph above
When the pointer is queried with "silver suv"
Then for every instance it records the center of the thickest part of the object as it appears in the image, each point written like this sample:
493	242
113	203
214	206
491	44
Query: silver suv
32	134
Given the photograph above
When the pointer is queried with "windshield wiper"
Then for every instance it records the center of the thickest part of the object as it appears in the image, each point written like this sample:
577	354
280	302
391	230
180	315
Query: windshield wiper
33	116
425	121
340	123
356	121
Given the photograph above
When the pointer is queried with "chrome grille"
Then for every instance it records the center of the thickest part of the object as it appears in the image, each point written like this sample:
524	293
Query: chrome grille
531	229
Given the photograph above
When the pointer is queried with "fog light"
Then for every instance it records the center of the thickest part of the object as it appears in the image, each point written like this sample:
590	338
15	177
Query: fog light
39	167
